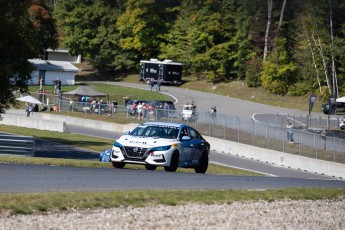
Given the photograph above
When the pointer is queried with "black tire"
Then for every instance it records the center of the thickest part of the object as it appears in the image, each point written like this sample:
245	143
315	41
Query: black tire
173	163
118	165
151	167
203	164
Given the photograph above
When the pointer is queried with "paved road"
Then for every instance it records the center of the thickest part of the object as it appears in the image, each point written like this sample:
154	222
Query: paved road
42	178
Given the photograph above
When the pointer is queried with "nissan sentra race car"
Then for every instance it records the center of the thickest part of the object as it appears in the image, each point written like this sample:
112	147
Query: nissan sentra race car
163	144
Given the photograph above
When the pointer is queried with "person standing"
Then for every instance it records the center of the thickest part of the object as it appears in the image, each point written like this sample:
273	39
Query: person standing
114	106
139	111
323	136
151	83
57	85
41	82
151	111
158	86
126	99
290	132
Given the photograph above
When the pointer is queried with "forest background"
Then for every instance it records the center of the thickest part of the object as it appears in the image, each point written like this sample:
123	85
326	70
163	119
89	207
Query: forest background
286	47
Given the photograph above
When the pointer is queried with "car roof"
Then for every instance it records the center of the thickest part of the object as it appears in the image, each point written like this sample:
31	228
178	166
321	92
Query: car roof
165	123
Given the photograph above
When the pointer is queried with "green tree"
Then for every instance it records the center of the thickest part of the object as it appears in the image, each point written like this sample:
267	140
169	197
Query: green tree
201	38
144	24
278	71
88	28
315	51
21	39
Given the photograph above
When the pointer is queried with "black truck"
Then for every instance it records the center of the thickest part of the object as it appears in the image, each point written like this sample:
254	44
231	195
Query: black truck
168	71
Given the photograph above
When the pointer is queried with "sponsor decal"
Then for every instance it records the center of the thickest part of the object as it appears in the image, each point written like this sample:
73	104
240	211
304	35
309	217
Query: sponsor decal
138	142
158	157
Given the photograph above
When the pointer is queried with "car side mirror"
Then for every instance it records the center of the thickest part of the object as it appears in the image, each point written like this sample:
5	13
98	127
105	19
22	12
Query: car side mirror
185	138
128	132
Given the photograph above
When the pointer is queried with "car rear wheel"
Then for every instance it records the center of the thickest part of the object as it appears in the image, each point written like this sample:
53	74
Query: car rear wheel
173	163
118	165
150	167
203	164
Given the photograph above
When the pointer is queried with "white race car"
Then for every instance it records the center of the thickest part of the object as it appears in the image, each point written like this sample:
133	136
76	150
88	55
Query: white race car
162	144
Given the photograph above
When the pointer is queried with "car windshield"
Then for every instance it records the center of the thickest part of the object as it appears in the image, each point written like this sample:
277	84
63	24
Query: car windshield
161	131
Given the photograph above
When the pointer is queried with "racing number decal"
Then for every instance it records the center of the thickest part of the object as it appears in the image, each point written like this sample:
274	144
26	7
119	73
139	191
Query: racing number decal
187	153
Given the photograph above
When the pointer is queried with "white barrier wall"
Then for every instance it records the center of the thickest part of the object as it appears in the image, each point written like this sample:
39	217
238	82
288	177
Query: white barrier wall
278	158
34	122
93	124
52	122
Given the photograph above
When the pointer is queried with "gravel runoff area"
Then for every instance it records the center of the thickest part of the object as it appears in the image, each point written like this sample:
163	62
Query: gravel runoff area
282	214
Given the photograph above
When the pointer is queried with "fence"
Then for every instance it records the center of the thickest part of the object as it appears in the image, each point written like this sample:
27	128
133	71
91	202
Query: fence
270	134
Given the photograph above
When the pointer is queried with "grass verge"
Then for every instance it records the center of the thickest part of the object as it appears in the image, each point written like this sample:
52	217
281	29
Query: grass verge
64	201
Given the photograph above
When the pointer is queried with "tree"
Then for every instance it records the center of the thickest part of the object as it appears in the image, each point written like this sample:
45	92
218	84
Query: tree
20	40
201	38
278	70
269	19
144	24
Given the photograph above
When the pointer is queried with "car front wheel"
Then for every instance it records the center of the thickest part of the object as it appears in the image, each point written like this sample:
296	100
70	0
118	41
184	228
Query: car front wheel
118	165
173	163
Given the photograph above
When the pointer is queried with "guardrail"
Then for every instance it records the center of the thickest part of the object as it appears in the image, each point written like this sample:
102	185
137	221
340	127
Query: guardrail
17	145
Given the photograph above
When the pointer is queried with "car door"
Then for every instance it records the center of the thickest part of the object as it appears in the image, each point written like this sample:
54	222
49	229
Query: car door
186	147
197	145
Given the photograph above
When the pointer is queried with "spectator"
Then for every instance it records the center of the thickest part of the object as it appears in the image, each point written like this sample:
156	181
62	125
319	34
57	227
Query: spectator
114	106
133	108
290	132
145	110
57	85
41	82
151	83
71	105
323	136
28	110
139	110
126	99
151	111
93	105
158	86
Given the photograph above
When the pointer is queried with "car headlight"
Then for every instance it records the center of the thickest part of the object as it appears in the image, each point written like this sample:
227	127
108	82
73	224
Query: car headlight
161	148
117	144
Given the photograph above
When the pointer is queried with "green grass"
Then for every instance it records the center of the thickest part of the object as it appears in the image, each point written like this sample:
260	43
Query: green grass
16	203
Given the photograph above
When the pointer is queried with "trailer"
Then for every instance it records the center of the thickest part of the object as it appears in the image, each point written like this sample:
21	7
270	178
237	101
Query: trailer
168	71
